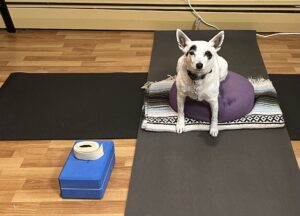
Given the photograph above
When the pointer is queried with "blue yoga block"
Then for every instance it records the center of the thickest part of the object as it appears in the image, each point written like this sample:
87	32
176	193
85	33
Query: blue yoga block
87	178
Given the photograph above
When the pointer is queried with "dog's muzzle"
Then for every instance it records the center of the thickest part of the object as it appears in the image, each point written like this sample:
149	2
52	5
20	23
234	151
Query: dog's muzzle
197	77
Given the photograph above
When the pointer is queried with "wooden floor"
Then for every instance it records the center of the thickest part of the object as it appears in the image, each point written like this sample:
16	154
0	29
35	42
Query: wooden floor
29	169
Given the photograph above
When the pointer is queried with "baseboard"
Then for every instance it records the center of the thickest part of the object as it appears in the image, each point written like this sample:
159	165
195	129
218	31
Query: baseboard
97	15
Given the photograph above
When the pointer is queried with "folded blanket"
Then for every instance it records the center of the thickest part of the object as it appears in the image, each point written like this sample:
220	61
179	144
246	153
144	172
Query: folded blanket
159	116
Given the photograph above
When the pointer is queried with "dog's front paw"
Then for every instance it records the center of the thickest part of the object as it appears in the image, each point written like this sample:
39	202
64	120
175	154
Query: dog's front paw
180	127
214	131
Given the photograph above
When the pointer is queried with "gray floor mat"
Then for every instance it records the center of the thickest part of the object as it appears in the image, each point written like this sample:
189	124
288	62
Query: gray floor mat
245	172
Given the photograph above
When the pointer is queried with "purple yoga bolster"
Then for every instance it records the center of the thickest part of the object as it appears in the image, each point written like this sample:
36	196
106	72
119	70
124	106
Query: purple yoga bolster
236	100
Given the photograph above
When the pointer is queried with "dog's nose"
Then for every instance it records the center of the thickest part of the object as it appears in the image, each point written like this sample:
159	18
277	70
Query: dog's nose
199	65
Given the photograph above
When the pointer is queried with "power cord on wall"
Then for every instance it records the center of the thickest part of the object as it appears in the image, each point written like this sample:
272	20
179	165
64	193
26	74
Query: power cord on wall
200	19
280	33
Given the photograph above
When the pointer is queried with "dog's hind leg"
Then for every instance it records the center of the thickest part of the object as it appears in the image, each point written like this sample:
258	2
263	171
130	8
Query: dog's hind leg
214	117
180	110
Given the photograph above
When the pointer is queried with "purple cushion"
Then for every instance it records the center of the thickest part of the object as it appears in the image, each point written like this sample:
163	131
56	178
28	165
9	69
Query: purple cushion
236	99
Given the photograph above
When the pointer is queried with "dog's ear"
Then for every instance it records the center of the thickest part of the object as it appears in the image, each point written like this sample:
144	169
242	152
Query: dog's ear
183	40
217	40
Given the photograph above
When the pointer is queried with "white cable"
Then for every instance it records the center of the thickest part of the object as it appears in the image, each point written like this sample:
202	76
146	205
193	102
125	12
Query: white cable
197	15
88	150
217	28
275	34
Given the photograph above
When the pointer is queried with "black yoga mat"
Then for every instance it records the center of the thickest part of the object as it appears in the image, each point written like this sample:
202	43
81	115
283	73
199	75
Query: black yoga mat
70	106
288	90
241	172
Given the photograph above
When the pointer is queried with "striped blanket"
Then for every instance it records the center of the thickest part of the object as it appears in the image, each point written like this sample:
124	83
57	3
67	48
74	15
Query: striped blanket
159	116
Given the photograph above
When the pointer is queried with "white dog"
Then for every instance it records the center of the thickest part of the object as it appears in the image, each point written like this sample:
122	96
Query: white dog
199	73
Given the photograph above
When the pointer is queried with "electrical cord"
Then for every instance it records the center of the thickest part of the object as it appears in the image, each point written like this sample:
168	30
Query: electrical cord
200	17
217	28
280	33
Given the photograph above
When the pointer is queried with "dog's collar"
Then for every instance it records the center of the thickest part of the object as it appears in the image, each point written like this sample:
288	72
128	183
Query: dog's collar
197	77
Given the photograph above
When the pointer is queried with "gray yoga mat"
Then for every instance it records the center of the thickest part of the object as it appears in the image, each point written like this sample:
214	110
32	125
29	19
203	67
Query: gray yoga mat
241	172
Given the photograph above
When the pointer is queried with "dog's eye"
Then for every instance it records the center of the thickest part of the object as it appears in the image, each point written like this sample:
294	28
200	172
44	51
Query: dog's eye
208	54
191	53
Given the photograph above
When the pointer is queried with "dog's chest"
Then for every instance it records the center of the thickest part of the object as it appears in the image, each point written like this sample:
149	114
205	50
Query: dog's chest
198	91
